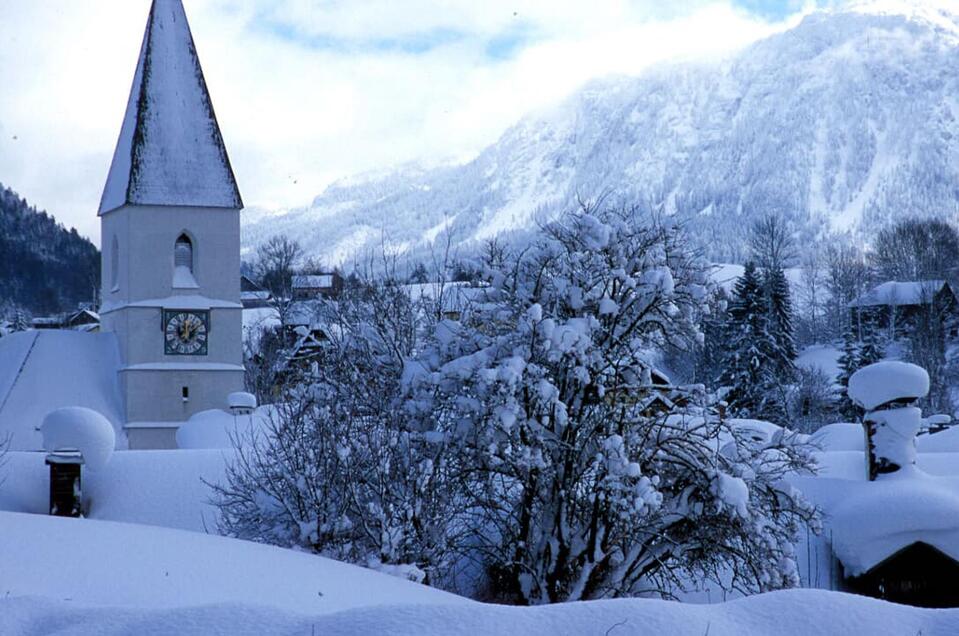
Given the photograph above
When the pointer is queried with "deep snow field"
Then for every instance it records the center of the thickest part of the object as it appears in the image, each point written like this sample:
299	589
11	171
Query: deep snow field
92	576
80	577
145	562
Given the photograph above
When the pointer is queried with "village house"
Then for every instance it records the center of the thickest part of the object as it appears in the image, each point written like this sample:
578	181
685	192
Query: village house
894	306
313	286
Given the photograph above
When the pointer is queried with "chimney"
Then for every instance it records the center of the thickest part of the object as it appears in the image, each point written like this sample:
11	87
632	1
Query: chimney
241	403
66	491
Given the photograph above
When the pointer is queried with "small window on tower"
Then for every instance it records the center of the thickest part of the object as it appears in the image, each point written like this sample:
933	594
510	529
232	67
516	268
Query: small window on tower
183	263
115	265
186	393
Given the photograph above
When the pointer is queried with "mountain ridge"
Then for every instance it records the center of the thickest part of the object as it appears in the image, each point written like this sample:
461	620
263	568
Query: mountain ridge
842	123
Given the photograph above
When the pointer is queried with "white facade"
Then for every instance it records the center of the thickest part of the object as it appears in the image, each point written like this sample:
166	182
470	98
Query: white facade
161	390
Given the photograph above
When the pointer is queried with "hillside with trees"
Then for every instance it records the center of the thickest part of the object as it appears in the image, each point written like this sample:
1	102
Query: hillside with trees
44	267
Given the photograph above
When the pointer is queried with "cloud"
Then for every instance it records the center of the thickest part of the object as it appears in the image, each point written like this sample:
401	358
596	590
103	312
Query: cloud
307	91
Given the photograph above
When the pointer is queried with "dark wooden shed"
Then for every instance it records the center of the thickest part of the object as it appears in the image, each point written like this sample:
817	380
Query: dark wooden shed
918	575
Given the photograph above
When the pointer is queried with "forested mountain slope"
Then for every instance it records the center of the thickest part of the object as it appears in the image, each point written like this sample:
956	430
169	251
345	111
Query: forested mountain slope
44	267
844	122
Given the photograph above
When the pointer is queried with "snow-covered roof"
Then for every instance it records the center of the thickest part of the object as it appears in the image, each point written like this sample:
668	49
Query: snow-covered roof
315	281
877	519
44	370
893	293
170	150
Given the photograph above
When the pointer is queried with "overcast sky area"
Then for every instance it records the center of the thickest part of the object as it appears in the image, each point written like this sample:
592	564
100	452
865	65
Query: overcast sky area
307	91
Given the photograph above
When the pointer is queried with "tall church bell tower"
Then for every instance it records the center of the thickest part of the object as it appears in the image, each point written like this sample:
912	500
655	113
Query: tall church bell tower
170	236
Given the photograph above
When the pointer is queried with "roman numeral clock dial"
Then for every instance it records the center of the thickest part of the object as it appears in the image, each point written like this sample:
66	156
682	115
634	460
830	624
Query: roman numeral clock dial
185	332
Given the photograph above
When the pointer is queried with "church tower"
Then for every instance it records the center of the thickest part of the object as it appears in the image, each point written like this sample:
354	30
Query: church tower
170	236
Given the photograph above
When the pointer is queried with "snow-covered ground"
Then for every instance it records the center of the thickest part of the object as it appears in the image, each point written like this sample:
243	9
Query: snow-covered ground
135	580
100	563
157	488
821	356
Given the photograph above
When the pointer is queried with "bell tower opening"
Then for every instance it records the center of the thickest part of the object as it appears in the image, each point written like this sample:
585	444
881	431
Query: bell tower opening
183	273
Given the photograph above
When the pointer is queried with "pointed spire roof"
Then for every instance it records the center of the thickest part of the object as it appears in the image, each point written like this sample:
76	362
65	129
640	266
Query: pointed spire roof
170	150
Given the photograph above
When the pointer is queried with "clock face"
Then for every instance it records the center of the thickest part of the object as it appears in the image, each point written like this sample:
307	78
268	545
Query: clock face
185	332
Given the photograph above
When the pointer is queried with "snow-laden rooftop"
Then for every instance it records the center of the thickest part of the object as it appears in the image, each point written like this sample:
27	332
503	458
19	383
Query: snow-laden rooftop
896	294
313	281
45	370
170	150
869	521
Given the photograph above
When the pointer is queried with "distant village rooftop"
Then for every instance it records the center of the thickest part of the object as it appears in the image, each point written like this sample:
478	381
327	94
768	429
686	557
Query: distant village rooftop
894	293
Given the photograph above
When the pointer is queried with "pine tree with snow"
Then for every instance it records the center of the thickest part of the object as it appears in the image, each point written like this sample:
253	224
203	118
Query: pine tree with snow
872	344
21	321
849	363
776	288
749	378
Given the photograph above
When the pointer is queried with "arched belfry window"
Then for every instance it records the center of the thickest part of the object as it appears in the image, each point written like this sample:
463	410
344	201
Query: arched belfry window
183	253
115	265
183	275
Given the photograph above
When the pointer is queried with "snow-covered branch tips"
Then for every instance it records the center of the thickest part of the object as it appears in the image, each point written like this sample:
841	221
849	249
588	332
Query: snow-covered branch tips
512	453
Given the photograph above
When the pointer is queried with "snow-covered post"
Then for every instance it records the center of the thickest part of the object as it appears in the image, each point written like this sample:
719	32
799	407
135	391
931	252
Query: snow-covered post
74	436
887	391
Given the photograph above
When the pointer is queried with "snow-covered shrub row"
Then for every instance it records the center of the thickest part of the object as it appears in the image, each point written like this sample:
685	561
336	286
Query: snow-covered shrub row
509	453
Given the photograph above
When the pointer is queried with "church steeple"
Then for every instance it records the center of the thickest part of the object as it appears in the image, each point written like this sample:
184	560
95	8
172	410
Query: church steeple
170	151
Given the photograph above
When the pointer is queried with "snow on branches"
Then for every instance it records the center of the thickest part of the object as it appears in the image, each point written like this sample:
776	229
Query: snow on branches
578	490
510	452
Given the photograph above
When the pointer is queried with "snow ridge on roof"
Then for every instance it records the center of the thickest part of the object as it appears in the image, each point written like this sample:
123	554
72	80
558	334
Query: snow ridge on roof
170	151
895	293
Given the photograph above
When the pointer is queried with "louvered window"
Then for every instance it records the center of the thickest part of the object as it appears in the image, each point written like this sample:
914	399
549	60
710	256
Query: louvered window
183	253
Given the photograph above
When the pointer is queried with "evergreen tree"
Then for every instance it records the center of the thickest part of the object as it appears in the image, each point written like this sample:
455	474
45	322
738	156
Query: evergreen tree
873	348
780	323
849	363
711	352
749	376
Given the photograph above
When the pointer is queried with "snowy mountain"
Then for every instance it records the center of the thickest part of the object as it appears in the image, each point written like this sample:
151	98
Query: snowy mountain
843	122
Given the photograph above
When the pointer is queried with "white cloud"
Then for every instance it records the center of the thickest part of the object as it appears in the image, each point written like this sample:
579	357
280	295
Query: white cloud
308	91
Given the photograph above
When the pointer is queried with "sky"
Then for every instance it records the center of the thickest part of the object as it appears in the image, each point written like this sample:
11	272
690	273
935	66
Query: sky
309	91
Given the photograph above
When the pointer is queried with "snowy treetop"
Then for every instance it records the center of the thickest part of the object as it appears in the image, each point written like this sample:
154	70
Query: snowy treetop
170	150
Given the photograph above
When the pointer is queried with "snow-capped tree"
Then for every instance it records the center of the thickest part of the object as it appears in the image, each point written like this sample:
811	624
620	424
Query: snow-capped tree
849	363
749	377
341	468
510	454
576	491
781	333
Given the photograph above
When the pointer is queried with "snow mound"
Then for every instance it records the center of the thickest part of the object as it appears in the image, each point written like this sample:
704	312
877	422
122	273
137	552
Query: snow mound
241	400
789	613
101	563
82	429
843	436
157	488
946	441
216	428
886	381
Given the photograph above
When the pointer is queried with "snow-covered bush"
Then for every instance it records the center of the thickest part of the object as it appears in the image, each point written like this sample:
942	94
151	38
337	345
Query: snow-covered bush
509	453
576	491
338	469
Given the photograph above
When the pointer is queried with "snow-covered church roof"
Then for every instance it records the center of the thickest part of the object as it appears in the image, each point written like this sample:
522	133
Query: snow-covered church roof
170	150
45	370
